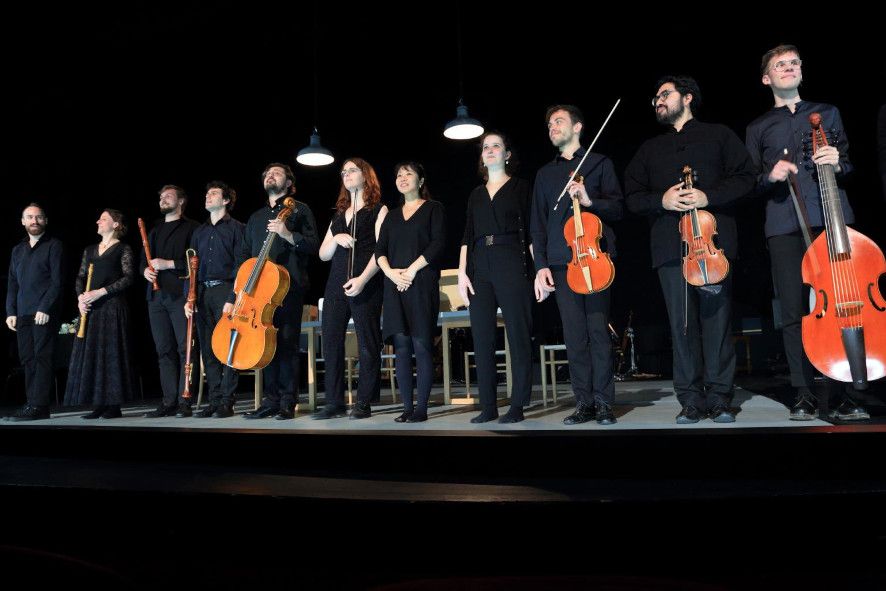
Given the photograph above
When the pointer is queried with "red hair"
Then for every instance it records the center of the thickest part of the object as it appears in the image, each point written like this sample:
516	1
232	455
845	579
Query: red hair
371	190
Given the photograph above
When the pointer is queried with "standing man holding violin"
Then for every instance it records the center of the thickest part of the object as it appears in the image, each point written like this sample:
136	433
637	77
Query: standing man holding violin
297	242
585	316
168	241
776	143
217	242
700	316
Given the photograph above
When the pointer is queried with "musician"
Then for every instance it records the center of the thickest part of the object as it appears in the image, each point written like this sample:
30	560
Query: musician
296	243
168	241
786	126
100	372
585	317
217	242
32	309
700	317
493	272
409	251
353	290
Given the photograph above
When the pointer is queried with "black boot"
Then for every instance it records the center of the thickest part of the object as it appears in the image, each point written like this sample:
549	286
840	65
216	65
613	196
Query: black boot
361	410
96	413
584	412
514	415
112	411
489	413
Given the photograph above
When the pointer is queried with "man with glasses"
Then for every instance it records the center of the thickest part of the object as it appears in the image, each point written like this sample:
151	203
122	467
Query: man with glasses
700	317
296	242
32	302
779	145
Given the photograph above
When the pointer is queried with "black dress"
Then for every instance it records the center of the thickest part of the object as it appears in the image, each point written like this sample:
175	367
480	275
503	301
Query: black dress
413	312
100	373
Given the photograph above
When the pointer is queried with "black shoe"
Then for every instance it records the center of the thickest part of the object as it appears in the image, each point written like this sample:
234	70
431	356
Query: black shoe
488	414
419	416
688	416
162	411
95	414
112	412
404	418
285	414
583	413
361	410
184	411
849	410
605	416
30	413
804	409
514	415
720	413
262	412
205	412
329	412
223	411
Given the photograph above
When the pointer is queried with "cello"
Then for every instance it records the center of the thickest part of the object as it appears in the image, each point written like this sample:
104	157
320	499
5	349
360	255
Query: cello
590	270
246	338
703	263
844	335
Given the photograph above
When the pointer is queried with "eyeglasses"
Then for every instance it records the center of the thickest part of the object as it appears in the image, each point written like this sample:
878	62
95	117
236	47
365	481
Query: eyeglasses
348	171
663	96
783	64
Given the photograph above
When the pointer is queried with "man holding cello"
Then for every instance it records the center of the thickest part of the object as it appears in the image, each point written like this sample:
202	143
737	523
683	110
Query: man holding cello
699	310
296	243
776	143
585	315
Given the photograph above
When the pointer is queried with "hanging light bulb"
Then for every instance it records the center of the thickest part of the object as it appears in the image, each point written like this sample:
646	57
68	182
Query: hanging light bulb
463	127
314	154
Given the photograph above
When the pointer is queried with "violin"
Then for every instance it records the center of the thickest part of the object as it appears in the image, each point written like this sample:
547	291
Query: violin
590	270
246	338
703	263
844	336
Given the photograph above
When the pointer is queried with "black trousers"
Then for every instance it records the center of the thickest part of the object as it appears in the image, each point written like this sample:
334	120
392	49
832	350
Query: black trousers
588	346
786	255
365	309
221	380
36	344
704	354
281	375
170	330
499	282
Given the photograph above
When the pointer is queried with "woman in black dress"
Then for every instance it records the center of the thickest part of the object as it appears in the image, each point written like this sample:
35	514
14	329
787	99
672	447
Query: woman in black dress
354	289
493	272
409	250
101	373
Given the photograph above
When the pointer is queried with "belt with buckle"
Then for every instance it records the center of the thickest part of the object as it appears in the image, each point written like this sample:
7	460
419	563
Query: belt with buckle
493	239
213	283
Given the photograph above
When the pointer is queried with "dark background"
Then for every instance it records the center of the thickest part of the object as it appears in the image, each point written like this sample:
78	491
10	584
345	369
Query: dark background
101	107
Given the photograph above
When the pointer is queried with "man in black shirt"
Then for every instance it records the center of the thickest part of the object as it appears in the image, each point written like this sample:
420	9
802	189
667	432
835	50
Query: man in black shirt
32	309
295	244
217	242
700	317
786	127
169	240
585	317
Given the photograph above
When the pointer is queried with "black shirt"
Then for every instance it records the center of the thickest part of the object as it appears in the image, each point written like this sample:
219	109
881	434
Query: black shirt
548	244
35	277
506	213
364	245
294	257
725	174
169	240
217	246
114	270
402	241
768	136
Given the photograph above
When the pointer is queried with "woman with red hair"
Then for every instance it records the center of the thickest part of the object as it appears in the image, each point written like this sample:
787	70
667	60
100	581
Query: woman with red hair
354	289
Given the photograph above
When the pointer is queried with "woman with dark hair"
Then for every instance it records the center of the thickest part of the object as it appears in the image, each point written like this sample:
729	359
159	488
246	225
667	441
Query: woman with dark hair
354	289
100	373
409	250
493	272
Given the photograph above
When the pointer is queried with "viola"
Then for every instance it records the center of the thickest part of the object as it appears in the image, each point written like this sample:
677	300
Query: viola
703	262
246	338
590	270
844	336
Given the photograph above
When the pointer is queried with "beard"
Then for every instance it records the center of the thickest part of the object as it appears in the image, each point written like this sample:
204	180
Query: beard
275	188
668	117
165	209
561	140
36	229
